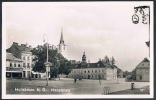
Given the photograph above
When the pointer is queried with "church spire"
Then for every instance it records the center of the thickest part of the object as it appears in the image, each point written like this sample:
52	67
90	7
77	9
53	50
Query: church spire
61	39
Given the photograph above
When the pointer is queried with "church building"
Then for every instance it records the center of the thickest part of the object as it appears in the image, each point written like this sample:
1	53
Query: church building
103	69
62	46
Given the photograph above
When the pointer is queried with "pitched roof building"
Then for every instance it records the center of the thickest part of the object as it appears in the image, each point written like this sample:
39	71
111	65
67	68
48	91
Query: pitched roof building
142	70
22	52
13	66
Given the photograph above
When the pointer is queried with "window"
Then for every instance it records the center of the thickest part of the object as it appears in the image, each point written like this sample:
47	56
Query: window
19	65
10	64
8	74
23	58
102	70
88	71
23	73
92	71
14	65
99	70
84	71
28	57
95	71
28	65
23	64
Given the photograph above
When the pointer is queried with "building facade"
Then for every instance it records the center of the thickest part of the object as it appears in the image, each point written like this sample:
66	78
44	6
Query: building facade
22	52
14	68
99	70
143	71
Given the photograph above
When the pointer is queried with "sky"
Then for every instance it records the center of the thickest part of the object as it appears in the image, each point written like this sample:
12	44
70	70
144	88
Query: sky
98	28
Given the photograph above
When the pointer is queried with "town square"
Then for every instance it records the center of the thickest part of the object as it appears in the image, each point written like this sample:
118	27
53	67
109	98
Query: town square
82	87
77	49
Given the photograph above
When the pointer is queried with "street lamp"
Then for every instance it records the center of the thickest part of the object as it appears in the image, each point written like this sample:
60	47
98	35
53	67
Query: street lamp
47	64
117	71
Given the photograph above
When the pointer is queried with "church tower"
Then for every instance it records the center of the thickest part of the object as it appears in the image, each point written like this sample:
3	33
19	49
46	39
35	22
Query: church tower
62	46
84	58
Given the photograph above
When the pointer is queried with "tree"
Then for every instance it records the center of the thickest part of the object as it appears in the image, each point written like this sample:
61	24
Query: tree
134	74
126	73
65	67
59	63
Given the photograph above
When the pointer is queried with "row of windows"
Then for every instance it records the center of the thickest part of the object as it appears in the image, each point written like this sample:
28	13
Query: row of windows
19	65
96	71
92	76
28	65
142	71
28	58
96	76
143	64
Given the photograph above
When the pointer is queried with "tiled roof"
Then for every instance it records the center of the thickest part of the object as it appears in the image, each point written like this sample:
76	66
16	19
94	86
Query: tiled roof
99	64
140	65
11	57
17	50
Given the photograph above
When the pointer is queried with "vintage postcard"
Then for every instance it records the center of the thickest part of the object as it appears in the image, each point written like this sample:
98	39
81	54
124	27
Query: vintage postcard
54	50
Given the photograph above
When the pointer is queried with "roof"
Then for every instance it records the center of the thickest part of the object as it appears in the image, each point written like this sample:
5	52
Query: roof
99	64
140	65
16	49
11	57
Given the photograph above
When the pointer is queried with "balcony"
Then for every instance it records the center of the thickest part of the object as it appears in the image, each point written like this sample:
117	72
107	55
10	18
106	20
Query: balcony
13	69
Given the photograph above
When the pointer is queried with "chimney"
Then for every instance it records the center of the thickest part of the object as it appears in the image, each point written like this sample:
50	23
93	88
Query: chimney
15	43
23	45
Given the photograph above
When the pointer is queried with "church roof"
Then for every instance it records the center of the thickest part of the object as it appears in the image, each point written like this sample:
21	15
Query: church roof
61	39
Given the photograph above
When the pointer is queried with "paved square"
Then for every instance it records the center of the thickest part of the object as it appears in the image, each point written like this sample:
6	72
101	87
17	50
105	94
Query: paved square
67	86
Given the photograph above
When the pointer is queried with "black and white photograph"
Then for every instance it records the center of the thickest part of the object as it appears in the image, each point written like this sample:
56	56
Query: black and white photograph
55	50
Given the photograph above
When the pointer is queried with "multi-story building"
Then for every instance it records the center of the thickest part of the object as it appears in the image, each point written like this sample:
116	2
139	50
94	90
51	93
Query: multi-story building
142	70
101	69
22	52
14	68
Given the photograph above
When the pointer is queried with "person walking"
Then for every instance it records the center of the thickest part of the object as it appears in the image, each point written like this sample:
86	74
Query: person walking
99	80
29	78
74	79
